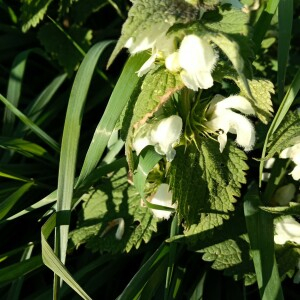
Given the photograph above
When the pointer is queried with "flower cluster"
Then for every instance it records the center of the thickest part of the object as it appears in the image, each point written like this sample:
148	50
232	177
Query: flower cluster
163	135
194	60
222	119
294	154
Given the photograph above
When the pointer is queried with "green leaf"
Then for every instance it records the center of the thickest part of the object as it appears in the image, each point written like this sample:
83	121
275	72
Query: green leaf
120	96
260	98
70	142
157	88
14	90
137	283
151	17
37	130
7	204
232	21
147	160
16	270
287	256
63	44
25	148
232	35
205	182
53	262
32	12
285	22
261	236
113	199
281	113
284	135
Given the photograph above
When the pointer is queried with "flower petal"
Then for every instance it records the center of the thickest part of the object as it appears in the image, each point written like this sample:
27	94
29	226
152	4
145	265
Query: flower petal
296	172
166	134
237	102
287	229
163	197
197	58
147	66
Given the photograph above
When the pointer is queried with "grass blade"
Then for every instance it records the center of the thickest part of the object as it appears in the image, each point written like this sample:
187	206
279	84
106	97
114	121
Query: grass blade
260	230
282	111
264	21
16	270
37	130
53	262
7	204
69	148
120	96
141	277
14	89
285	20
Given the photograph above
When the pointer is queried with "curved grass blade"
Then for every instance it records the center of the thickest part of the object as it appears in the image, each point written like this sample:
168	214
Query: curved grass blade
7	204
69	146
260	230
15	86
264	21
37	130
285	20
120	96
15	289
282	111
147	160
25	148
14	89
53	262
135	286
16	270
36	108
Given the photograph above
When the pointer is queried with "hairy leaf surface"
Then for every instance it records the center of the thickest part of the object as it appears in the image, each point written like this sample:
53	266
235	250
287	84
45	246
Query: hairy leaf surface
113	199
205	183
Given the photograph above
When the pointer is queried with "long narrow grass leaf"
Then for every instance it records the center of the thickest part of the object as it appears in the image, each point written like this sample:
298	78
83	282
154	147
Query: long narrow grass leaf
282	111
285	20
37	130
53	262
264	21
7	204
16	270
260	230
14	89
119	98
70	142
147	160
141	277
15	289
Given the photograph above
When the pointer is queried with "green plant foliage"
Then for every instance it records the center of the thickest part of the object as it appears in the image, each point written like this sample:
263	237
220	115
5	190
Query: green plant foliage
63	46
113	198
33	11
157	88
284	135
260	98
216	177
144	14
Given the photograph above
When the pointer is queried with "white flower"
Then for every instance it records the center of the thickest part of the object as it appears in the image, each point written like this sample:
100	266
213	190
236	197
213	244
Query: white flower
163	136
287	229
223	120
163	197
196	58
284	194
294	154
